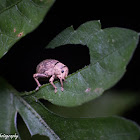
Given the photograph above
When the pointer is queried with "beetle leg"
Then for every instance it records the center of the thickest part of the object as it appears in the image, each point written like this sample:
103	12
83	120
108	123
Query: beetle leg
65	80
62	89
51	81
36	76
61	81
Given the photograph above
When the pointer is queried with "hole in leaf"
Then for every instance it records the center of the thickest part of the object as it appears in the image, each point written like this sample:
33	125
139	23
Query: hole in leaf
20	64
24	133
74	56
22	128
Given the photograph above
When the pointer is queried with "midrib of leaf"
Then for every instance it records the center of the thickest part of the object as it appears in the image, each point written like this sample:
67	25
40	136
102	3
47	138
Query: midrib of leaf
10	111
38	117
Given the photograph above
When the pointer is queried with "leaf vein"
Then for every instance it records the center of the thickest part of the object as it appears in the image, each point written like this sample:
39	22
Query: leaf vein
24	16
1	33
37	4
67	41
10	7
38	117
84	79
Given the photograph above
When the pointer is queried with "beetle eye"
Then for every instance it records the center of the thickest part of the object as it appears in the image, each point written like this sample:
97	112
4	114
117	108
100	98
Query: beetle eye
62	71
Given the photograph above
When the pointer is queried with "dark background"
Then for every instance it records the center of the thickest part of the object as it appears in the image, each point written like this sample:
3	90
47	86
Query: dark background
19	64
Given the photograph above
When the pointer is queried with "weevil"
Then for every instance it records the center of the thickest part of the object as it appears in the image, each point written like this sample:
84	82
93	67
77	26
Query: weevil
51	68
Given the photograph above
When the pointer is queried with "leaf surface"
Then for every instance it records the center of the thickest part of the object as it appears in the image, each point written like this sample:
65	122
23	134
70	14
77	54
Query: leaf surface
87	128
110	51
18	18
7	110
11	104
39	120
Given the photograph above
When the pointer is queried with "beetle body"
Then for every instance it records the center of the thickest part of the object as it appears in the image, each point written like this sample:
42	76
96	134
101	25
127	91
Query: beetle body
51	68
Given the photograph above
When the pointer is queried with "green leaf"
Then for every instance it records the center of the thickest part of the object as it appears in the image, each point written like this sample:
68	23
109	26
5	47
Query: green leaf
110	103
39	120
88	128
11	104
7	110
110	51
18	18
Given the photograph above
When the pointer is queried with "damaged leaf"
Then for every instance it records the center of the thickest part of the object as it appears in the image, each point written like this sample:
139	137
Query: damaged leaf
110	51
40	121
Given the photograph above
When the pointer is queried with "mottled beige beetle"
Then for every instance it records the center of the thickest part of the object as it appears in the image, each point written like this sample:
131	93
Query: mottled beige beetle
51	68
